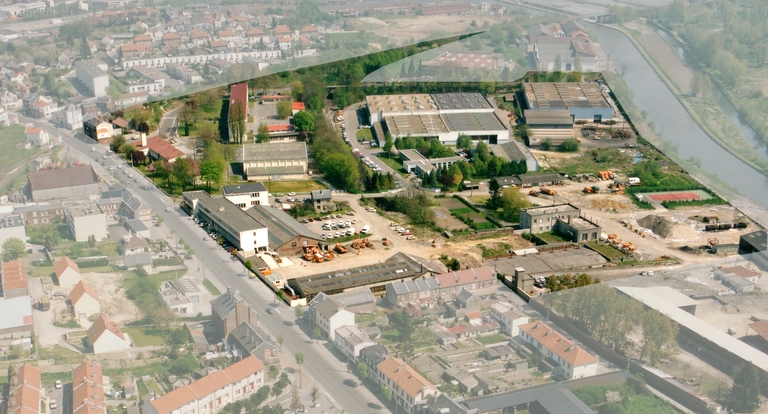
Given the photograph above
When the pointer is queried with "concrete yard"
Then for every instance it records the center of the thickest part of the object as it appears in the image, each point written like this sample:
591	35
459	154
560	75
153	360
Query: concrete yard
549	262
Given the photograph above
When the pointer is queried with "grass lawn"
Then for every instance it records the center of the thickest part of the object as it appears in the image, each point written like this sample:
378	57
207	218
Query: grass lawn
394	162
460	211
364	134
299	186
551	237
211	287
479	199
610	159
491	339
143	390
608	251
153	386
146	336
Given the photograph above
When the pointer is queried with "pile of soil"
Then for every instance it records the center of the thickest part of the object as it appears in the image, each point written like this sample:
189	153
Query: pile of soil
667	228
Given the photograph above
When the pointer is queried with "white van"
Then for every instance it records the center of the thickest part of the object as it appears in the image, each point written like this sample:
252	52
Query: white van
365	229
350	231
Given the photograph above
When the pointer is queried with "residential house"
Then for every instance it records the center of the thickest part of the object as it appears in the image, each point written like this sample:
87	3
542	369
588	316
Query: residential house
174	298
84	300
88	389
350	341
37	136
67	273
138	228
38	106
99	130
571	360
509	318
321	200
199	37
24	391
409	388
329	315
229	311
10	101
249	339
143	39
134	208
254	35
171	39
72	118
134	245
358	301
133	50
465	302
212	392
105	336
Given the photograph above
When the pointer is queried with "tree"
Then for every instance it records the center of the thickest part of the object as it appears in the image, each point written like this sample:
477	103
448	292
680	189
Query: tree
299	361
236	122
464	142
85	49
13	249
494	202
263	134
546	145
314	394
745	393
453	176
405	325
659	333
280	340
362	370
388	143
114	92
189	115
482	152
387	393
317	332
512	200
304	121
297	89
570	145
701	85
211	172
182	172
299	312
284	109
208	133
117	143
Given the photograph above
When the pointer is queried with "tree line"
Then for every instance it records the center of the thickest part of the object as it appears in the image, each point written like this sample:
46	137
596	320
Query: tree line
614	319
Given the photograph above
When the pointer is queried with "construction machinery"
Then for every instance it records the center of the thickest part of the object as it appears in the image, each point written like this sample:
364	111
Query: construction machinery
340	249
547	191
606	175
591	190
385	242
712	242
533	193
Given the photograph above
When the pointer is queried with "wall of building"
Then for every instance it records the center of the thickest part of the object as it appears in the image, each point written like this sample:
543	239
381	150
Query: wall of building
86	306
90	225
18	232
63	193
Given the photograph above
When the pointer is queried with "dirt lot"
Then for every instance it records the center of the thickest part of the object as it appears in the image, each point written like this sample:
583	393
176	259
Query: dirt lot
400	29
111	296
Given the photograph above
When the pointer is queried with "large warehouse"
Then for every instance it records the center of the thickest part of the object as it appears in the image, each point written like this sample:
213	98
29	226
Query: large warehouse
274	161
63	183
584	100
442	115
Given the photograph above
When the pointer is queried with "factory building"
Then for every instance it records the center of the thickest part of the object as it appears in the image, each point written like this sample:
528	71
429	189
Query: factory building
584	101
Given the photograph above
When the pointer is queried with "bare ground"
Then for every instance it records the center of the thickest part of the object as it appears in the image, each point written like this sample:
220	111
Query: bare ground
672	63
111	296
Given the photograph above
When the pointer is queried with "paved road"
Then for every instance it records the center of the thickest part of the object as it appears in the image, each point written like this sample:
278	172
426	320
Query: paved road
322	367
352	122
169	124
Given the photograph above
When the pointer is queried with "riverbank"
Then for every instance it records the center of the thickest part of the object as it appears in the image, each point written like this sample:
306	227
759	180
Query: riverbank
707	115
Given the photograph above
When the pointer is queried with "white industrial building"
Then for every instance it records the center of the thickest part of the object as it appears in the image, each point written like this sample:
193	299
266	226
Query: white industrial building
230	221
247	195
93	77
445	116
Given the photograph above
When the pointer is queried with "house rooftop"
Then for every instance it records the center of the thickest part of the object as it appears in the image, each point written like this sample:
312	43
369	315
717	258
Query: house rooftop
244	188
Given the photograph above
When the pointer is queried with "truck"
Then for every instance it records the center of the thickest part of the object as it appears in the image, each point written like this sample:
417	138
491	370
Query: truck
634	181
547	191
365	229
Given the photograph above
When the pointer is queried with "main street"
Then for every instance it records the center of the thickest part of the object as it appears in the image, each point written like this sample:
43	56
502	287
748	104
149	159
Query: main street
322	366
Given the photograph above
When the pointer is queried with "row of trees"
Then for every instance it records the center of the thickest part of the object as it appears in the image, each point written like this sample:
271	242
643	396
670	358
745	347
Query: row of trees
613	319
507	202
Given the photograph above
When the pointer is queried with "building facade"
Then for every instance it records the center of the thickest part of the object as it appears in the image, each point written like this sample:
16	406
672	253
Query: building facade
86	222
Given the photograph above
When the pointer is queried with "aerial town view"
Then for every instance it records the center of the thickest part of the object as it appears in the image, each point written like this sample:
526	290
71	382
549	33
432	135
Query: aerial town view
413	206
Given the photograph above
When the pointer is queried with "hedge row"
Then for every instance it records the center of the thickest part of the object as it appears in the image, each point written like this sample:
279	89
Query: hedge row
93	263
492	220
167	261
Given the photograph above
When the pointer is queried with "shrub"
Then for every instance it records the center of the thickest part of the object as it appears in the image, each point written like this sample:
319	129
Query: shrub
93	263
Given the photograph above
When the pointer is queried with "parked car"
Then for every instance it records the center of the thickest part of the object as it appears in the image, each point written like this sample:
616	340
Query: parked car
167	209
406	233
53	404
58	385
291	194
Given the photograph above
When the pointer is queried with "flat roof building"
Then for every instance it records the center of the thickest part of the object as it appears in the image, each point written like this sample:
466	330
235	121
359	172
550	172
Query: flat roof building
461	101
380	106
86	221
63	183
400	266
94	78
754	242
286	235
542	219
238	227
12	226
516	151
584	100
247	195
279	161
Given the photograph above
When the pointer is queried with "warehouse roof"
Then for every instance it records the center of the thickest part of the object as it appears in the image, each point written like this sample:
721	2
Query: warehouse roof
564	95
554	209
757	240
400	103
286	169
229	213
554	398
273	152
281	227
512	151
472	121
62	177
399	266
401	125
461	100
548	117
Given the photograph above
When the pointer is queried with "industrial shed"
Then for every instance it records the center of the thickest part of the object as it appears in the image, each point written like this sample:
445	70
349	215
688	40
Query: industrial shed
286	236
63	183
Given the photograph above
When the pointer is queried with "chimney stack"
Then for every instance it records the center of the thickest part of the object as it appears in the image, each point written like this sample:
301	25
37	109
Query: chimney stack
143	139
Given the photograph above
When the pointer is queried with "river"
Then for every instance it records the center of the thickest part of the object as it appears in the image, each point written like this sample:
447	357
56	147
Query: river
673	122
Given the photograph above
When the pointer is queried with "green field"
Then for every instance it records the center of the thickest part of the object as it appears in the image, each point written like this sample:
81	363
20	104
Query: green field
9	155
551	237
299	186
211	287
394	162
460	211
